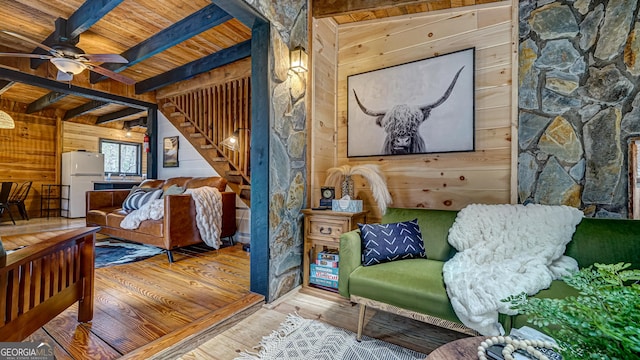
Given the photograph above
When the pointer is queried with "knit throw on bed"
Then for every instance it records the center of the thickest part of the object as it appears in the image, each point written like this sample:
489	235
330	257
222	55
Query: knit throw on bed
208	202
505	250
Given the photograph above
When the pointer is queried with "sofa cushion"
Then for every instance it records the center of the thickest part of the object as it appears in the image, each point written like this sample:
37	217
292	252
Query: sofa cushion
605	241
558	290
414	284
151	183
99	216
139	197
217	182
179	181
149	227
173	190
434	225
388	242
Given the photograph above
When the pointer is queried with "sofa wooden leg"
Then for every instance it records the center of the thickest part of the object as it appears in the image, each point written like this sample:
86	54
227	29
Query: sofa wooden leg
170	256
363	307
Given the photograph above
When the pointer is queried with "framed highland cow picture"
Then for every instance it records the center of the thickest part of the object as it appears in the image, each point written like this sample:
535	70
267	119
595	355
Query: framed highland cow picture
422	107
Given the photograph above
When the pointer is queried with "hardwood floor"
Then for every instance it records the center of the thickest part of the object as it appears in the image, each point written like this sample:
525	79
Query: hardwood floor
392	328
143	307
198	308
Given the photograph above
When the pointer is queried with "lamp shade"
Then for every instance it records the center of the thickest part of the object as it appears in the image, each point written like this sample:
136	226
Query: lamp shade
6	122
231	142
299	60
68	66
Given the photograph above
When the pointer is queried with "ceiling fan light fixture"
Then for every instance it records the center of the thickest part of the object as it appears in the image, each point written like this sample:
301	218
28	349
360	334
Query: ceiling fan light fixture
69	66
6	121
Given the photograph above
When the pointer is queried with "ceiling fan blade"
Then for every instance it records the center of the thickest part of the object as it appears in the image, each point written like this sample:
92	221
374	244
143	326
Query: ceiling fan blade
33	56
32	42
112	74
105	58
63	76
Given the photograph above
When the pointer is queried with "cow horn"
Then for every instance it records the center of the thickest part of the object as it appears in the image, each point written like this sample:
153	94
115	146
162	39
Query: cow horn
446	94
367	111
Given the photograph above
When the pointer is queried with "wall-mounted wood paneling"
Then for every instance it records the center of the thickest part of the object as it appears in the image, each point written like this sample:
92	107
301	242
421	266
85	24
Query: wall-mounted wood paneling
87	137
323	125
28	153
439	181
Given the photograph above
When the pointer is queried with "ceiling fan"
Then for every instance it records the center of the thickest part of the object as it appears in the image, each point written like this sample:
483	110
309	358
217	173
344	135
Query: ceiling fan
71	60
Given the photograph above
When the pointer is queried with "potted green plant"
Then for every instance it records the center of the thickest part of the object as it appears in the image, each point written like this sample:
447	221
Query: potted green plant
603	322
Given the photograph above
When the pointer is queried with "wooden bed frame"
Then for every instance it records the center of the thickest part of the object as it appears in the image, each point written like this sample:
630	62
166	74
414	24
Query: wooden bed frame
40	281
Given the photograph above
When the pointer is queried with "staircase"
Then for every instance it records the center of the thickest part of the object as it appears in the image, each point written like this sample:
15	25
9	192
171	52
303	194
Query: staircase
206	117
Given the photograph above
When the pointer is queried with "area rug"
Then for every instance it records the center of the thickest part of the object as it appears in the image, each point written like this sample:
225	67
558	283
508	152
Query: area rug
111	252
299	338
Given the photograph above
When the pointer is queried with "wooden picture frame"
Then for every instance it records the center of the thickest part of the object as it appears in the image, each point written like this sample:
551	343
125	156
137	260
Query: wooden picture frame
170	151
421	107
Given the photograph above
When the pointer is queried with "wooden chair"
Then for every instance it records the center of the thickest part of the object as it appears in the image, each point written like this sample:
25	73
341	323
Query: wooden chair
5	191
18	196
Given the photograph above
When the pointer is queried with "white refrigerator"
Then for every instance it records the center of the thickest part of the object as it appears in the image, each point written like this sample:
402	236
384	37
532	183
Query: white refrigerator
79	170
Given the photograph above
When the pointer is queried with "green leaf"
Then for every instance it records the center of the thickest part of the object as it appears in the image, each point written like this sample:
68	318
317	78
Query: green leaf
603	322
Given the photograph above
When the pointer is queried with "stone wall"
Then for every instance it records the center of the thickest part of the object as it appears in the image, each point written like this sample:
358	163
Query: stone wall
288	142
579	102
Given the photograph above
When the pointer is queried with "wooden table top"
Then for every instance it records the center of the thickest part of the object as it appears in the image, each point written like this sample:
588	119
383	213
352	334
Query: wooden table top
12	242
466	348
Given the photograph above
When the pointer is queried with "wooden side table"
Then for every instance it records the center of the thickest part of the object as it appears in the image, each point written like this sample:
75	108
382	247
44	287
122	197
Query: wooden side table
322	230
461	349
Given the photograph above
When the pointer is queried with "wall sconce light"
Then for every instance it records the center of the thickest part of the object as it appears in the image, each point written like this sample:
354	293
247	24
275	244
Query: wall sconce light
298	57
6	121
128	132
232	142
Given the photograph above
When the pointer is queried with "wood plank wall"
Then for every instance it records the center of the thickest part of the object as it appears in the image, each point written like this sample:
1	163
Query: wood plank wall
28	153
438	181
31	151
77	136
323	125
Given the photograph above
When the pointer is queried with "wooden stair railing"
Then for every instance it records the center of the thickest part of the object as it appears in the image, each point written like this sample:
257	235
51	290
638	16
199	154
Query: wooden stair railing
206	117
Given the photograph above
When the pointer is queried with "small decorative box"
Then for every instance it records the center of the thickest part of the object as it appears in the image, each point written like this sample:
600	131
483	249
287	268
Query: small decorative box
330	255
346	205
327	263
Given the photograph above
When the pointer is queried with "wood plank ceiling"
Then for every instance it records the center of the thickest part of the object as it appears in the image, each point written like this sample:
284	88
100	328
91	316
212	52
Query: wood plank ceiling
349	11
165	41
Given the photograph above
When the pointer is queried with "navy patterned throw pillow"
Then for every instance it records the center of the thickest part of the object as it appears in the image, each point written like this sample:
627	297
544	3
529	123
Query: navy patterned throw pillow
387	242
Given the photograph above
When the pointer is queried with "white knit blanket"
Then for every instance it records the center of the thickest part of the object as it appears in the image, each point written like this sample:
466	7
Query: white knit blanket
505	250
208	202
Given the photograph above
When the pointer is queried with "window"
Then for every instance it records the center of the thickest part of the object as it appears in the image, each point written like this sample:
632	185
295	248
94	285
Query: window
121	157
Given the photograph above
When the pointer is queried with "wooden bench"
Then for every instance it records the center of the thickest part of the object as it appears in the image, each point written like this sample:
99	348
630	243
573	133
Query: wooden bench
41	280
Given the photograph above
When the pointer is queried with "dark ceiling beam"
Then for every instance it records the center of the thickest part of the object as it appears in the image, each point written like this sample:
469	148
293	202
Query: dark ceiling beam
17	76
67	31
139	122
241	11
45	101
202	65
58	35
84	108
326	8
117	115
202	20
89	13
5	85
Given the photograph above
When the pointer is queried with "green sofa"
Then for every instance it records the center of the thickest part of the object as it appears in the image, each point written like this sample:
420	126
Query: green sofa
415	287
